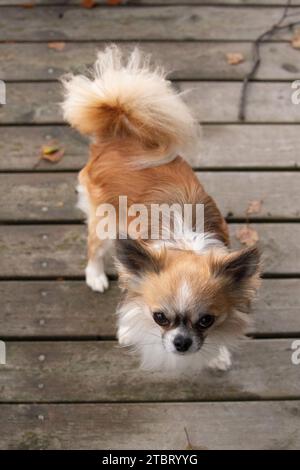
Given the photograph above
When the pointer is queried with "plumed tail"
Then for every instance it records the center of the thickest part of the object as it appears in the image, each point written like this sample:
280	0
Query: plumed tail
125	97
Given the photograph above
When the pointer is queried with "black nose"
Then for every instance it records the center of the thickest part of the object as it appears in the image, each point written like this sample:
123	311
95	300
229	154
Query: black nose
182	343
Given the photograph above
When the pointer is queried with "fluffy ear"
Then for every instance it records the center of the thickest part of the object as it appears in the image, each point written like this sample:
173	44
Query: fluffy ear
241	266
135	259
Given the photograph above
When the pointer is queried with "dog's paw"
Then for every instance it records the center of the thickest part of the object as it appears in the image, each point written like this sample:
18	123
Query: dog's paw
222	361
97	283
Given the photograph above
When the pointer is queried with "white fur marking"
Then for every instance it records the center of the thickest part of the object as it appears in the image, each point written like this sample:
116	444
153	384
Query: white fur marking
96	278
83	200
184	296
199	243
222	361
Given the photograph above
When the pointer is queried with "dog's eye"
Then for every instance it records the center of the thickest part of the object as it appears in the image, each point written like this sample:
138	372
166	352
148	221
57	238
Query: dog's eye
206	321
161	319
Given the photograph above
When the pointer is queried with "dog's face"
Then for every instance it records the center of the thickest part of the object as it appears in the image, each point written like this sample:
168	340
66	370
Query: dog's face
190	299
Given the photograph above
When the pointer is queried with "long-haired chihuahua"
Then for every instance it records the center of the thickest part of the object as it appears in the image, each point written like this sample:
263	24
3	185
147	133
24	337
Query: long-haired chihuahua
185	299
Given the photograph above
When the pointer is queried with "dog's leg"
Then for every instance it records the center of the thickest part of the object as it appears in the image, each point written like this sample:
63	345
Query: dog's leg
222	361
95	275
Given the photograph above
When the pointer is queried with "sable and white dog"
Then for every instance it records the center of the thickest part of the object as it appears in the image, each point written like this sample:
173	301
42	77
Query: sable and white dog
185	300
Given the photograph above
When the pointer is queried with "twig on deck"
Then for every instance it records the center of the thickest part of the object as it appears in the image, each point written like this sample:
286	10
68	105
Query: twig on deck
256	54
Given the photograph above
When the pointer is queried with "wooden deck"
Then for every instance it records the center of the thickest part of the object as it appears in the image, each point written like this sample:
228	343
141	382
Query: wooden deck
66	384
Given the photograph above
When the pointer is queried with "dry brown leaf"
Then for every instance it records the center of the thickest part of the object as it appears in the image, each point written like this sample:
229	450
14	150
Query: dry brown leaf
296	40
53	157
52	152
247	235
234	58
88	3
57	46
254	207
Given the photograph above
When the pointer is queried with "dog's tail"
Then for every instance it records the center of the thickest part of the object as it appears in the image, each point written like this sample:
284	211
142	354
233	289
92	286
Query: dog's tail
128	98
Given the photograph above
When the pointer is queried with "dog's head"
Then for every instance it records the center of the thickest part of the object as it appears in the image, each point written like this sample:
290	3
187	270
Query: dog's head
186	299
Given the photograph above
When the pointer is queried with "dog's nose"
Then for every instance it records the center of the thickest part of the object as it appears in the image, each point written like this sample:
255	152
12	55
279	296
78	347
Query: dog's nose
182	343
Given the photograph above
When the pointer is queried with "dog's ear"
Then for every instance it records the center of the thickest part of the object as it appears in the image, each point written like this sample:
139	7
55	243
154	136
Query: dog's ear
243	265
240	266
135	258
239	276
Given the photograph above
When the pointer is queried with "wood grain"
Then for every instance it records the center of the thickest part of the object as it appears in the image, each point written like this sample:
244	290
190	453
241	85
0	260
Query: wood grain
185	60
101	371
70	309
253	425
58	251
223	146
159	23
51	196
212	102
153	2
72	386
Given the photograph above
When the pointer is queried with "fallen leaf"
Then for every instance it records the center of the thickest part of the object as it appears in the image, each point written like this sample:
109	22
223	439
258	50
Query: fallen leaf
234	58
88	3
254	207
53	157
57	46
52	152
296	40
247	235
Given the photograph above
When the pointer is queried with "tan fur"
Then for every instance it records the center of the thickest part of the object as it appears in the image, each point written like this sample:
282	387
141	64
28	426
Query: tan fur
109	174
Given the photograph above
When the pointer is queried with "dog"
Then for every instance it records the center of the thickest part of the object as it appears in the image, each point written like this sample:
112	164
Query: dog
185	300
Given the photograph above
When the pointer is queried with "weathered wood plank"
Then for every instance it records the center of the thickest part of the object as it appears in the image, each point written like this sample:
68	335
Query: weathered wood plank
219	102
44	251
153	2
51	196
165	22
61	309
20	148
101	371
223	146
69	309
48	196
252	425
277	309
185	60
38	103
